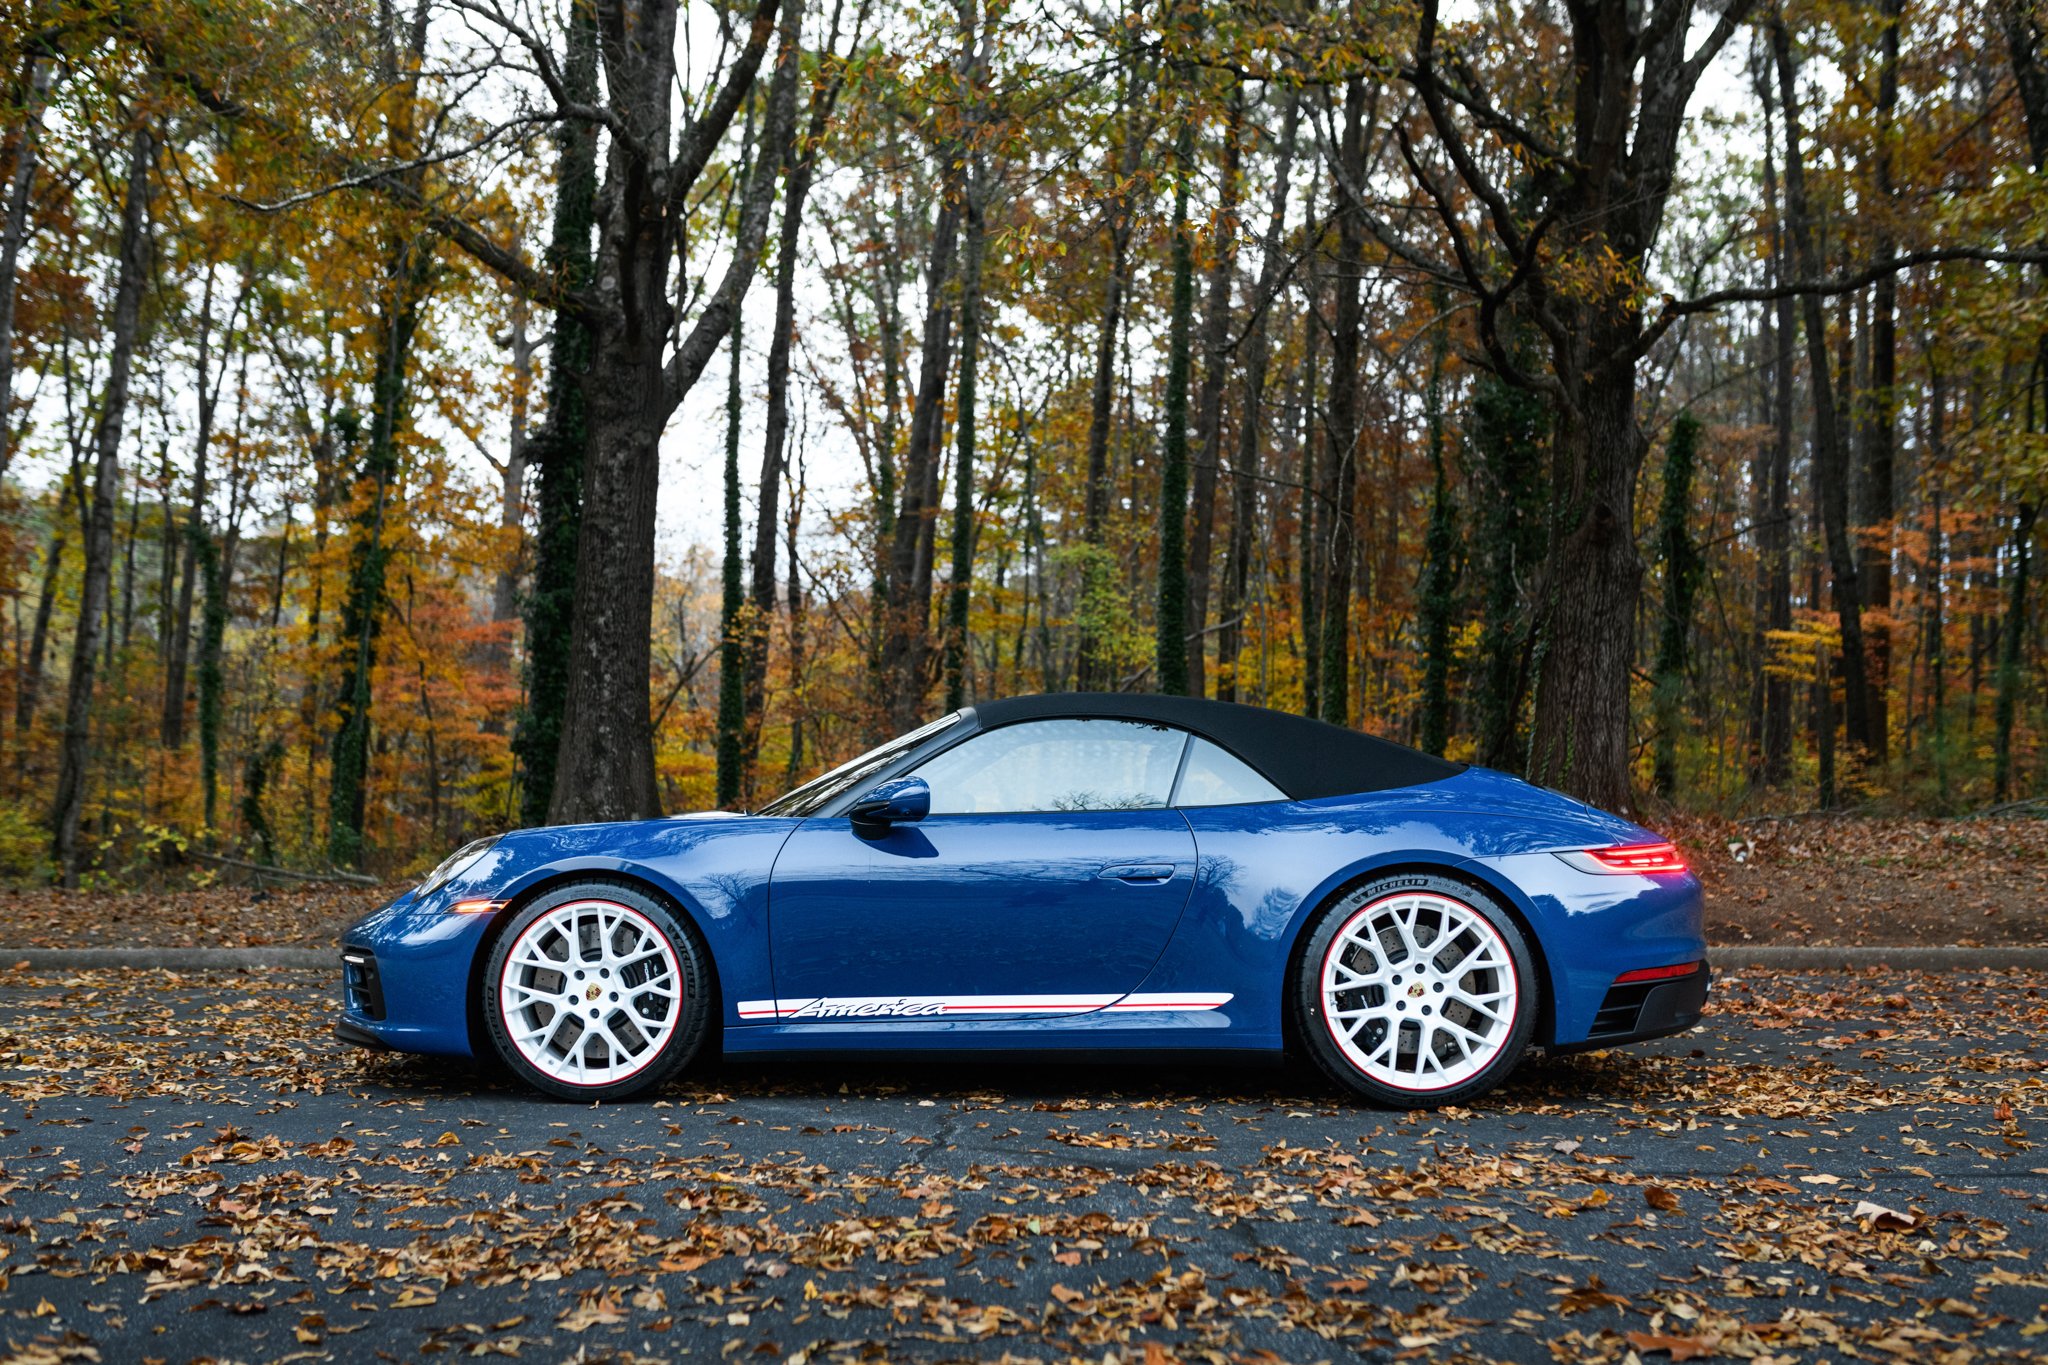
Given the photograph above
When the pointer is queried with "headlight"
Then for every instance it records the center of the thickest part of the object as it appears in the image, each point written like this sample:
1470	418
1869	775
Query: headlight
454	865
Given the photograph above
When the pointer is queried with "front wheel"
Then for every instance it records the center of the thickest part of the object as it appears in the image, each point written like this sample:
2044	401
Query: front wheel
597	991
1415	991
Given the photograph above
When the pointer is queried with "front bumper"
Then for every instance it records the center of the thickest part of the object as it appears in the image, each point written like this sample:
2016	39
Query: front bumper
362	982
406	973
355	1035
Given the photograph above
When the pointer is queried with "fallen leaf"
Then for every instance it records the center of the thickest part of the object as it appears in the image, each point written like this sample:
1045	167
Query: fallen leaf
1678	1348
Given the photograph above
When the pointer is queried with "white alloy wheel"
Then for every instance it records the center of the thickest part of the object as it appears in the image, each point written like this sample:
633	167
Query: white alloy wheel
1419	991
590	992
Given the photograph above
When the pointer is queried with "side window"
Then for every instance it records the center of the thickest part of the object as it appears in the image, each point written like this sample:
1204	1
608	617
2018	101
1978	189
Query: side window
1216	777
1057	765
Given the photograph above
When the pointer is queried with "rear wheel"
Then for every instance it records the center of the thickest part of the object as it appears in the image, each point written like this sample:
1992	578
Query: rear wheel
1416	990
597	991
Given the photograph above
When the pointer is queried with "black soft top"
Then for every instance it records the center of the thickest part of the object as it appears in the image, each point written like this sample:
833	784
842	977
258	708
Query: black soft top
1305	758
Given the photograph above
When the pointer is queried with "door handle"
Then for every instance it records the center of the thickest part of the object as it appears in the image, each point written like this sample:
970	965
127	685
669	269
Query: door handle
1139	873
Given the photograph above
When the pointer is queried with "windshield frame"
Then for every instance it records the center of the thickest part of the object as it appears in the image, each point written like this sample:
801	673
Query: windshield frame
823	793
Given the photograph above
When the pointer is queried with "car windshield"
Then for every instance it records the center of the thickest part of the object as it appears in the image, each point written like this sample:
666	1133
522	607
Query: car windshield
819	792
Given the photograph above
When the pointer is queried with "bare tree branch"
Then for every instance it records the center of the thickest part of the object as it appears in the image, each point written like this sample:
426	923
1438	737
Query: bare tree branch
1675	309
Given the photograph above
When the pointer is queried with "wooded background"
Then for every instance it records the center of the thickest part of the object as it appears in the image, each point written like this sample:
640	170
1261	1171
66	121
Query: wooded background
1649	398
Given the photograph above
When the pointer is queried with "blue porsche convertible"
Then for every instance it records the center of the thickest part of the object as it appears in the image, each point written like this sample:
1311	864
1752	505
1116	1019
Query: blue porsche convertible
1052	873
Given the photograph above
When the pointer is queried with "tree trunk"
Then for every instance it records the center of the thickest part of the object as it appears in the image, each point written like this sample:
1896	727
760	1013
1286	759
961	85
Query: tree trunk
177	642
28	687
888	289
42	74
1209	403
966	413
1824	727
1170	625
1579	742
732	644
1830	455
1936	571
1340	466
774	447
798	158
217	568
1774	489
2023	36
1245	464
1682	568
1506	431
1936	647
69	806
1438	589
1308	541
795	604
128	572
557	450
1880	408
1627	74
1092	667
2011	677
604	767
362	613
909	618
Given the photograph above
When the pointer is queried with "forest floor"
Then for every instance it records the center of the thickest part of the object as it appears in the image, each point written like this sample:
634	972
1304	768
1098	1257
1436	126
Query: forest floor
1844	881
1833	1166
1833	881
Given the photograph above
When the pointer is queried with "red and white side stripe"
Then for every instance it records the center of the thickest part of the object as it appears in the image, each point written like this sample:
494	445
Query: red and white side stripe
964	1006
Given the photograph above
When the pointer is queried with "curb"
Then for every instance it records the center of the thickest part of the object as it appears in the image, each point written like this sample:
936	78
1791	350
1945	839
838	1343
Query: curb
170	959
1800	958
1806	958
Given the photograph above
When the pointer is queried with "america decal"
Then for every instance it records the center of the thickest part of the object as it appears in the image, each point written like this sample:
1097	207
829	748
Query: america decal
967	1006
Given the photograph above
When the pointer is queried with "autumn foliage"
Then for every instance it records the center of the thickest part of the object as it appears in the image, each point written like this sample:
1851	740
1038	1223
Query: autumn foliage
884	356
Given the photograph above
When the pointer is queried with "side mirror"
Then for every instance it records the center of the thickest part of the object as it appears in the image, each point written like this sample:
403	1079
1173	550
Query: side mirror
897	801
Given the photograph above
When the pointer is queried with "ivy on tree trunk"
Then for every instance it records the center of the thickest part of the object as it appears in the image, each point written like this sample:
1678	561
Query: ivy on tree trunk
1682	567
556	452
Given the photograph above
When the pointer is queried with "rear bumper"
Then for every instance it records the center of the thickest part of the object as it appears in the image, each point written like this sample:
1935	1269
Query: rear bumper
1638	1011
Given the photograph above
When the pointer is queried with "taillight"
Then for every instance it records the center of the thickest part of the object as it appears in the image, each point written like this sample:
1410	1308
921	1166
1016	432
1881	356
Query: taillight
1642	859
1670	973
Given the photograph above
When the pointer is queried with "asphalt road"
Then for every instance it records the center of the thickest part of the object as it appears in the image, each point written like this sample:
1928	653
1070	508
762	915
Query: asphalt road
1833	1167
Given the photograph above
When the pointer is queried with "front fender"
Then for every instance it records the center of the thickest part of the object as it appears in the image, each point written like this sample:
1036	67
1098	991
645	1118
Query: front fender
715	870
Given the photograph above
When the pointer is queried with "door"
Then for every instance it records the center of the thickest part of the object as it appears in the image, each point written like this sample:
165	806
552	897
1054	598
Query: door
1046	880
